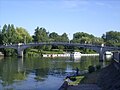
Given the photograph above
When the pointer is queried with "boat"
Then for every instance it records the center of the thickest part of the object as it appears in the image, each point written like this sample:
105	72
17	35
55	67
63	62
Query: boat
71	81
75	54
108	53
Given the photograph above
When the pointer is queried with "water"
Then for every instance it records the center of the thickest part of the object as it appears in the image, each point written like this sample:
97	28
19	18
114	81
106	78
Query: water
37	73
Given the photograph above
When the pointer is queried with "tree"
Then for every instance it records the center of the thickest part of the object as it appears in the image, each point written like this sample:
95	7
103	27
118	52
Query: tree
85	38
53	36
112	38
22	35
0	35
12	35
81	37
40	35
64	37
8	37
4	35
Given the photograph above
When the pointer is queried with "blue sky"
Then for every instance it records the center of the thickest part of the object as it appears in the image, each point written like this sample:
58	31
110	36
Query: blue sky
70	16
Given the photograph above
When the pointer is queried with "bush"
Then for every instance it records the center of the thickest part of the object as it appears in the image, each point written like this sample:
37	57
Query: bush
91	69
98	67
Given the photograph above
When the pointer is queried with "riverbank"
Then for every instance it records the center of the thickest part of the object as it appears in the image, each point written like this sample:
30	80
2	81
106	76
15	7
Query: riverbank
89	82
107	78
54	53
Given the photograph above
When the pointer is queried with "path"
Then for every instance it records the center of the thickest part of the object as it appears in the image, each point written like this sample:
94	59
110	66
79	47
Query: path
84	87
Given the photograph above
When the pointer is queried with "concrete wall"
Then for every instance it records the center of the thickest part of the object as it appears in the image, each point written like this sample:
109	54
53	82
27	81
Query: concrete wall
116	56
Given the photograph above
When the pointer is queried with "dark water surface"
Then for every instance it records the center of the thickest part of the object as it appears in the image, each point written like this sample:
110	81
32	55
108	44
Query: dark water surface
37	73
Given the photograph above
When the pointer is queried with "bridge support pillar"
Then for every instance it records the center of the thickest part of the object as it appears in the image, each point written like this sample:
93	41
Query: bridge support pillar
101	55
20	52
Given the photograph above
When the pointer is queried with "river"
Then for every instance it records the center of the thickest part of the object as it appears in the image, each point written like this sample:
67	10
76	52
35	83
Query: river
35	73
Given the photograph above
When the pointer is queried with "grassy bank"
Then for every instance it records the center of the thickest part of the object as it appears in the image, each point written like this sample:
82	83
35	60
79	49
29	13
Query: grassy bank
90	78
36	52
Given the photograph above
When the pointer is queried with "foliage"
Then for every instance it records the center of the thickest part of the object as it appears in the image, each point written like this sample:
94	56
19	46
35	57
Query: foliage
58	38
112	38
64	37
0	36
91	69
40	35
85	38
8	34
53	36
81	37
98	67
22	35
12	35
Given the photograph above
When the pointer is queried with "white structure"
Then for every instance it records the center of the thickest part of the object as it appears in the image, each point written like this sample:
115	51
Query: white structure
75	54
108	53
56	55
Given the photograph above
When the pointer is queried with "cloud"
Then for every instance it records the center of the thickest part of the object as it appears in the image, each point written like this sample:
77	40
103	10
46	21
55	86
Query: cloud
103	4
73	3
100	3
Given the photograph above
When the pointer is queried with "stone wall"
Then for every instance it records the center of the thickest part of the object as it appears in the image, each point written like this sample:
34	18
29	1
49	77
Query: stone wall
116	56
109	78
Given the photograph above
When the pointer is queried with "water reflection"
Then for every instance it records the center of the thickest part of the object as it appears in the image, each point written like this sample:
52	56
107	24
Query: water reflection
77	59
1	57
108	57
26	73
20	65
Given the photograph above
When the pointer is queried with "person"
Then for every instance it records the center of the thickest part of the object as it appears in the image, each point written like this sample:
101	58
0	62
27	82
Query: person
77	70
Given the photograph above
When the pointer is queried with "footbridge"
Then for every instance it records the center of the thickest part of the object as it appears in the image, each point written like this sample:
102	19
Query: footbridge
101	49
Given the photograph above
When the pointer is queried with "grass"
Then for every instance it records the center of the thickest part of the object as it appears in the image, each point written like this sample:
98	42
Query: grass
36	52
90	78
54	51
77	81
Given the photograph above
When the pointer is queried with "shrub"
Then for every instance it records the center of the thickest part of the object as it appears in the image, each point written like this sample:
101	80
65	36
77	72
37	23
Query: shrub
91	69
98	67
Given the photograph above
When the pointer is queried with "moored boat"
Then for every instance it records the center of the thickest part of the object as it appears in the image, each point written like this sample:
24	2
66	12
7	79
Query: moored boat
75	54
108	53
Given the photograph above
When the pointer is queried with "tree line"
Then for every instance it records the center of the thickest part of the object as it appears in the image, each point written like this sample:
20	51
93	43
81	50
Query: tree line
9	34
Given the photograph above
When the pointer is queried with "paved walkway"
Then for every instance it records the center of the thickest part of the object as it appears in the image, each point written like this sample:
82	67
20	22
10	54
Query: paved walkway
84	87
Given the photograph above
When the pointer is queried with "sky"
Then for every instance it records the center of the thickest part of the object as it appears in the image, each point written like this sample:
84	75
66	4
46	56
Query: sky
95	17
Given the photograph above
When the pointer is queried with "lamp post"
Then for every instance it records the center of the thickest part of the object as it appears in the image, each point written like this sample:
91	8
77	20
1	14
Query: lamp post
25	40
69	37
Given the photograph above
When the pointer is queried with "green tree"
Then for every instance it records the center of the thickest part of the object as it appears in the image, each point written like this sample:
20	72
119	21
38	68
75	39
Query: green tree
0	35
40	35
8	37
81	37
112	38
85	38
64	37
12	35
4	35
53	36
22	35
